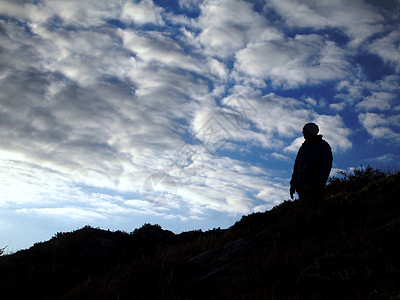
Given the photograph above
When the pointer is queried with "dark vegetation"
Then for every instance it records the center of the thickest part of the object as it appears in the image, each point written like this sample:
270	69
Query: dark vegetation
347	247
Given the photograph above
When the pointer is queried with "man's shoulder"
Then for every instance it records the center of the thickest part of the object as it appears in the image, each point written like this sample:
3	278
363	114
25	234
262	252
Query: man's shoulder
320	142
325	143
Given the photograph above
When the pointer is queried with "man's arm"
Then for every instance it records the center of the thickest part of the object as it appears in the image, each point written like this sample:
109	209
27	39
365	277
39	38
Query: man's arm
326	164
293	181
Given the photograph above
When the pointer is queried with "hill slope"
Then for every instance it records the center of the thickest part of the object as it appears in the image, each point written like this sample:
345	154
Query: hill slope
344	248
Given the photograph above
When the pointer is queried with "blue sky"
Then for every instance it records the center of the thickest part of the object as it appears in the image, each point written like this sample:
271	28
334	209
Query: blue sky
184	113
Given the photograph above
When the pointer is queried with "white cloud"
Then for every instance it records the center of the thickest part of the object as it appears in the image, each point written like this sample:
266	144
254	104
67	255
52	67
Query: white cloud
216	129
27	184
210	186
113	135
75	213
275	192
388	48
280	116
334	131
87	125
143	12
378	100
305	59
337	106
295	145
383	93
387	159
218	68
350	90
83	56
356	18
153	47
190	4
220	127
279	119
73	12
279	156
390	83
335	172
380	126
227	26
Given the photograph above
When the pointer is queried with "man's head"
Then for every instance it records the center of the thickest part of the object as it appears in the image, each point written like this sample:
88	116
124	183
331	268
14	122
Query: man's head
310	130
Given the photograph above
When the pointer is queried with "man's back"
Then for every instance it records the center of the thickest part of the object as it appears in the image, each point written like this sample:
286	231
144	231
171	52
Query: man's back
315	162
312	165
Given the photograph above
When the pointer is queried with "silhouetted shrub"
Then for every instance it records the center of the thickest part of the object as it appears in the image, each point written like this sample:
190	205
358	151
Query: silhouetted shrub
355	179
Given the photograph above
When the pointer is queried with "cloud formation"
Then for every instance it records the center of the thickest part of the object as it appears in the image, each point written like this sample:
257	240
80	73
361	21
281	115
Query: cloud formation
96	96
141	13
380	126
358	19
304	59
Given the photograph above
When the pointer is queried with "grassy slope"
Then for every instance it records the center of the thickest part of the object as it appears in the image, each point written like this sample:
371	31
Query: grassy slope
345	248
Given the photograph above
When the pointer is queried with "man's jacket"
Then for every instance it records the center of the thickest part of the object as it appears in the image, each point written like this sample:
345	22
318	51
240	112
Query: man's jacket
312	165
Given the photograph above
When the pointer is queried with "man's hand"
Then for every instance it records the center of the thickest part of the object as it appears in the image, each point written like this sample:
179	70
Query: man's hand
292	191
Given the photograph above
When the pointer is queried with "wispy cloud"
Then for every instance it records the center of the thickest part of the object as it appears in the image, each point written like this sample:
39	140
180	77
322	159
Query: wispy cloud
304	59
142	13
227	26
380	126
378	101
357	19
387	48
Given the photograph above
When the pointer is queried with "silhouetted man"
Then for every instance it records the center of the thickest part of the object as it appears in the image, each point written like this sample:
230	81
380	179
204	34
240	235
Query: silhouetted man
312	166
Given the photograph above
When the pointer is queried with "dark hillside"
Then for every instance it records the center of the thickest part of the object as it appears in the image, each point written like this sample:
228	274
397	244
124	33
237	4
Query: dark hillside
347	247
